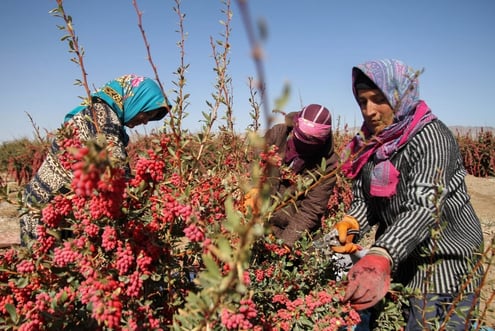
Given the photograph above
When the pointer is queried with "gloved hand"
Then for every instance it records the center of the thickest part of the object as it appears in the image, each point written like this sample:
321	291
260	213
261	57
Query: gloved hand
251	200
369	281
347	228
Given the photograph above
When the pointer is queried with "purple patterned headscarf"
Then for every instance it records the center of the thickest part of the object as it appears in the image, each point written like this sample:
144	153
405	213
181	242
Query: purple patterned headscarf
399	84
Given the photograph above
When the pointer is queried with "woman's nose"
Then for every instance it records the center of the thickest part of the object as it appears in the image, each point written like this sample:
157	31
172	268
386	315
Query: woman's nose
369	109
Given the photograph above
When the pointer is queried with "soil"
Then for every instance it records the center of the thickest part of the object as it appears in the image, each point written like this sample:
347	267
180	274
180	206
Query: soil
9	224
482	191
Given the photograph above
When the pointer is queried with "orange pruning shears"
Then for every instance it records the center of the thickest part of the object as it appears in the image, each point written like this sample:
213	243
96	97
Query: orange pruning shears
332	238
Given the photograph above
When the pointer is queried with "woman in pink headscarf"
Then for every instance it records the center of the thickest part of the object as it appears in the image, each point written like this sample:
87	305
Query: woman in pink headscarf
408	178
303	141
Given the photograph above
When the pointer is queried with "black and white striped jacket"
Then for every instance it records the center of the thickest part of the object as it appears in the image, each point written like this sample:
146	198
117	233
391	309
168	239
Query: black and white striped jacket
429	226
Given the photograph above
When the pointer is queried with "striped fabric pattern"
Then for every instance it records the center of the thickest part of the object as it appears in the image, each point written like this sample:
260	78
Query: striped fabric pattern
431	183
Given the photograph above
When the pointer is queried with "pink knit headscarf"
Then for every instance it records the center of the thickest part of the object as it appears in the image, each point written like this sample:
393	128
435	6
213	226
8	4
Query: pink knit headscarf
313	124
311	135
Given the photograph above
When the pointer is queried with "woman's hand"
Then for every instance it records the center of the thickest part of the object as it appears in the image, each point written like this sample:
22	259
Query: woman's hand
369	281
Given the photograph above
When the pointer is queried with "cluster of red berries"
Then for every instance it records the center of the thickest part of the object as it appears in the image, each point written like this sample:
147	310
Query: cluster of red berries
239	320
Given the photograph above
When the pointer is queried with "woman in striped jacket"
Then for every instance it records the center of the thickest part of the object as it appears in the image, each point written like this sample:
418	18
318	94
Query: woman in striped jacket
409	180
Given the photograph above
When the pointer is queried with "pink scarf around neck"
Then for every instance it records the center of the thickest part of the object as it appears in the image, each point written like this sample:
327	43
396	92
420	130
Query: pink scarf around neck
385	176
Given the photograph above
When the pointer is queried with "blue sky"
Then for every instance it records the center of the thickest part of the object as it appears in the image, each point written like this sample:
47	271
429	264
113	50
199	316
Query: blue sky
312	45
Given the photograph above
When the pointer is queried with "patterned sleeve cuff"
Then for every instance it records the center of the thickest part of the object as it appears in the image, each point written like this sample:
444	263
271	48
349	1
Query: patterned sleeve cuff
382	252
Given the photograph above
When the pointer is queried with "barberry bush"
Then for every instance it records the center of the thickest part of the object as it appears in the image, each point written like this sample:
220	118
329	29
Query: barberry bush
171	246
478	153
21	158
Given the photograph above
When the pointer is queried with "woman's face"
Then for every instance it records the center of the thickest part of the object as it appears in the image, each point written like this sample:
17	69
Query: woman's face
377	112
142	118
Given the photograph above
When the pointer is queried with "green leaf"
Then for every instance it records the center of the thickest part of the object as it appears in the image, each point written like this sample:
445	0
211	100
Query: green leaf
22	282
323	165
155	277
63	297
233	217
211	267
54	233
206	116
13	314
225	250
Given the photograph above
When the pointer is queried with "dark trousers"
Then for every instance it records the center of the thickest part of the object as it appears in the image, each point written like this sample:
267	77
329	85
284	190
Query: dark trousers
435	312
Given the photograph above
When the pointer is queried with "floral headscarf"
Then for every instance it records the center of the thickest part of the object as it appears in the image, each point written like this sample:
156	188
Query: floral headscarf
399	84
128	96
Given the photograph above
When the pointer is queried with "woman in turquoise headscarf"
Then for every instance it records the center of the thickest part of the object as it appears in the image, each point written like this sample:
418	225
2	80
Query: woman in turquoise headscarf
129	96
129	100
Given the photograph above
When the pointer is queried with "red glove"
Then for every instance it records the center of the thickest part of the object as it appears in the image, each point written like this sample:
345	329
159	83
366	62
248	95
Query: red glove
347	225
369	281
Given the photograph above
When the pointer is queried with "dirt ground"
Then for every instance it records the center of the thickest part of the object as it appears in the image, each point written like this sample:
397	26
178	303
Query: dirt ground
482	191
9	224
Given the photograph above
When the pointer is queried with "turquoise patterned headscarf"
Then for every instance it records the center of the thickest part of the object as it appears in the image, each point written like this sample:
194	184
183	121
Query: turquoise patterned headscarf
128	96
